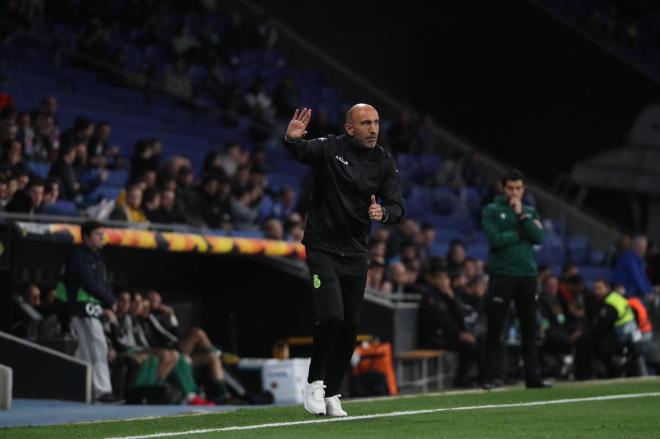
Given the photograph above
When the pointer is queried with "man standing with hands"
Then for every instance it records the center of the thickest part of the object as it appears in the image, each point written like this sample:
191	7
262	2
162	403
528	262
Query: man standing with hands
351	171
512	230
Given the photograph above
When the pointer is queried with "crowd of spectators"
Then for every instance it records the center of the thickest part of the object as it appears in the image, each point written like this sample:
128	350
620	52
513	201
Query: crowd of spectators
577	326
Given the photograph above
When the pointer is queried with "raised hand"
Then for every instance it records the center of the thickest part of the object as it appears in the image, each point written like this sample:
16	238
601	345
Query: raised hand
298	125
375	210
516	205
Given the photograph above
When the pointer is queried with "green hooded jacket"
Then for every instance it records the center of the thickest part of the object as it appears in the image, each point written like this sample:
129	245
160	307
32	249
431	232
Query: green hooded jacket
511	238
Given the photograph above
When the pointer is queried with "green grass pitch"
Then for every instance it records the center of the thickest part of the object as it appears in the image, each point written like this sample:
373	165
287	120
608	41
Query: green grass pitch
606	409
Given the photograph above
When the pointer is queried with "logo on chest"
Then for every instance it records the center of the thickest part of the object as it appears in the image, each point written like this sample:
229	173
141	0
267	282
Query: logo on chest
341	159
503	215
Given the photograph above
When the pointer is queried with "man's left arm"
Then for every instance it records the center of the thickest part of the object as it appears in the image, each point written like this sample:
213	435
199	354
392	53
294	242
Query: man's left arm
531	225
390	194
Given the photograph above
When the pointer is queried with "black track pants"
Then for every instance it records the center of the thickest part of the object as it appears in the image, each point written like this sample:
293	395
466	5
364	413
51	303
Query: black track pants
338	284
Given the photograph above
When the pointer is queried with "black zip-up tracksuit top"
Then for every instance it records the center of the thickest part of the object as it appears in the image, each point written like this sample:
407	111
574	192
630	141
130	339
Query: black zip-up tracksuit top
346	175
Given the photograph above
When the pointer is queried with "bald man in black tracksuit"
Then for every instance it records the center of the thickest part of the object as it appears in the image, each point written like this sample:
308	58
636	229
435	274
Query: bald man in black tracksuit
351	172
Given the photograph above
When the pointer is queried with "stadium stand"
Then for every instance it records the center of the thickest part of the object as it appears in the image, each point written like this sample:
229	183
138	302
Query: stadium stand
195	144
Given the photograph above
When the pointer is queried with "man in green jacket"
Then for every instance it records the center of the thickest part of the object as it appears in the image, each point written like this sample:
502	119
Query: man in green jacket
512	230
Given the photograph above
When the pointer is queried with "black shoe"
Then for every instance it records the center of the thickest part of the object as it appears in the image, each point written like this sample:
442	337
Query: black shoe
538	383
108	398
490	385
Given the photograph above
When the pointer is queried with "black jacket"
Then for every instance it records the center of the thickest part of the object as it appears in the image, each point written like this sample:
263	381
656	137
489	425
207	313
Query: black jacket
346	176
440	320
86	269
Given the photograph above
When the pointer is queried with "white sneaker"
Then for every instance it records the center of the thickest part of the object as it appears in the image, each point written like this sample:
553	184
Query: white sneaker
313	394
333	406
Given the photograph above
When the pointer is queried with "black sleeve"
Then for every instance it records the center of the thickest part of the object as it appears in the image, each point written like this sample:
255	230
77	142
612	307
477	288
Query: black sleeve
80	268
604	321
390	193
437	315
307	151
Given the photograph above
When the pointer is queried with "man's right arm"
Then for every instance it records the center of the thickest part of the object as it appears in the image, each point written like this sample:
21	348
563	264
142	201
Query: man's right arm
306	151
497	239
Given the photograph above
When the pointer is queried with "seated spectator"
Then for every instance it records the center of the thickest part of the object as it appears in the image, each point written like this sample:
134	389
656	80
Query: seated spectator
184	44
167	212
146	157
26	133
273	229
22	180
121	331
63	170
29	200
208	205
177	81
194	344
285	203
129	210
630	270
241	179
101	153
455	256
376	275
51	194
80	134
243	215
213	164
573	300
294	229
558	339
145	329
233	158
258	101
46	138
11	162
441	325
405	232
398	279
4	193
424	241
187	199
150	203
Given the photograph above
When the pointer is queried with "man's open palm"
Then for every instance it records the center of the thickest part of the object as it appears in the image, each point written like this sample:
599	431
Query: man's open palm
298	125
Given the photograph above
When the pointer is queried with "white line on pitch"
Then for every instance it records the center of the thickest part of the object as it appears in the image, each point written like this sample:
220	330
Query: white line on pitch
393	414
